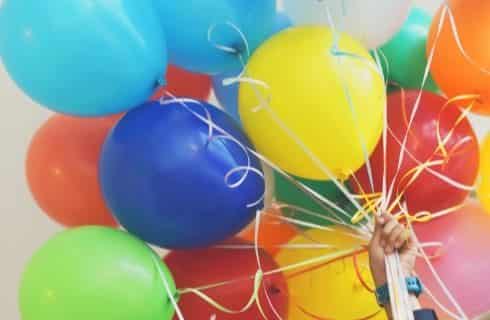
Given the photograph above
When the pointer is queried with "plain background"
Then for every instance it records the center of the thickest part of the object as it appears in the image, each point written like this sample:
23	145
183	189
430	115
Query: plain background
25	228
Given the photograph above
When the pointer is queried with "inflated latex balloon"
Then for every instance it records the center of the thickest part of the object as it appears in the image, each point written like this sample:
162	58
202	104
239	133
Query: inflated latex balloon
228	95
235	270
434	170
198	30
62	169
274	232
96	273
484	186
335	109
329	290
185	84
288	194
86	58
372	23
406	61
461	63
460	262
175	181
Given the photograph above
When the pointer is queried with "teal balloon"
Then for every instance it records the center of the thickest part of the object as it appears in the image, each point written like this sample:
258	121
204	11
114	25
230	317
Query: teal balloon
289	193
228	95
405	53
85	58
96	273
194	29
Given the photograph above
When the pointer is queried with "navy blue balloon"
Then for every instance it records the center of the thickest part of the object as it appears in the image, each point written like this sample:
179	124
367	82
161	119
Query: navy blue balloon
164	179
187	25
228	95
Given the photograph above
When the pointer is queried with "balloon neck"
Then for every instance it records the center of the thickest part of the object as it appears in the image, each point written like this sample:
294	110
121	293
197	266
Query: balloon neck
161	82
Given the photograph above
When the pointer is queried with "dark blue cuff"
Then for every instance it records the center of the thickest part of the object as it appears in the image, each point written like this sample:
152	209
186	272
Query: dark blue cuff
425	314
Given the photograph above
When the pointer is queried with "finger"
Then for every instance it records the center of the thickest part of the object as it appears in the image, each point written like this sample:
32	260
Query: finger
388	229
389	249
398	237
410	238
378	228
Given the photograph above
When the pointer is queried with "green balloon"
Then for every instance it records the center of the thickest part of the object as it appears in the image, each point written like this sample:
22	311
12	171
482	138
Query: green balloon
95	273
406	53
287	192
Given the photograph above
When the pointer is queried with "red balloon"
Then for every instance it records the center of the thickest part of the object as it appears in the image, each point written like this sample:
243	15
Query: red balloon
463	262
201	267
458	160
182	83
62	170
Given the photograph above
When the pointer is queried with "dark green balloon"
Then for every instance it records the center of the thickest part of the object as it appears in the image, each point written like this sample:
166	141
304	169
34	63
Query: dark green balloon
95	273
406	53
287	192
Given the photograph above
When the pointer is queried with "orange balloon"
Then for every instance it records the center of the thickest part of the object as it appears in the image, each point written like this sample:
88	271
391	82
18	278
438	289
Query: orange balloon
273	232
62	170
456	74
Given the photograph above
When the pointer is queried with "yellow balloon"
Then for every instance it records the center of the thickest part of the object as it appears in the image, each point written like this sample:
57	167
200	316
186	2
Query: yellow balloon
331	291
484	186
332	102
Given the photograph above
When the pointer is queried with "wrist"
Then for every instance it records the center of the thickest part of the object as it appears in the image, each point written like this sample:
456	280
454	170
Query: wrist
414	287
379	279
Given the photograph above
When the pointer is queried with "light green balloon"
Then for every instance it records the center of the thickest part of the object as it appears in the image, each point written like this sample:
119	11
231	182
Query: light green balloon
95	273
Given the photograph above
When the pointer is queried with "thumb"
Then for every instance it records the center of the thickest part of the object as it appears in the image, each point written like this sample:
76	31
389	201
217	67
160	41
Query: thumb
378	228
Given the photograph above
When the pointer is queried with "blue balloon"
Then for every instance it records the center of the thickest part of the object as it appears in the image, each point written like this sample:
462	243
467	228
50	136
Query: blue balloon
85	58
188	23
228	95
282	22
164	178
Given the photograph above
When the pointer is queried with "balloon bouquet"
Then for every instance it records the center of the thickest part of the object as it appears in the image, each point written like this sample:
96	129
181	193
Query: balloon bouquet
359	108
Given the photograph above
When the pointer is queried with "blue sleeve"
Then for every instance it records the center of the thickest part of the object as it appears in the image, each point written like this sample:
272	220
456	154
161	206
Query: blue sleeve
425	314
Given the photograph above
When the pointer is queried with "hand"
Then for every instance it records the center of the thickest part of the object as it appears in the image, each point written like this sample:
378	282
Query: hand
389	236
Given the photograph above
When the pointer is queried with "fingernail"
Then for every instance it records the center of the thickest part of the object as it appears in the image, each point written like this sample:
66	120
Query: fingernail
389	249
382	243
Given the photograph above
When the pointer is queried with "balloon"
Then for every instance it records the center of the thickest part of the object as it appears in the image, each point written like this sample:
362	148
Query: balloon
62	169
228	95
457	161
83	58
197	268
288	193
169	182
95	273
273	231
325	108
182	83
405	53
484	186
372	24
325	290
461	263
462	72
282	22
198	29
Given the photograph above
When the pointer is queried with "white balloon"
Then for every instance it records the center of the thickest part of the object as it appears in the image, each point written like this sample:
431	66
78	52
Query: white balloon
373	22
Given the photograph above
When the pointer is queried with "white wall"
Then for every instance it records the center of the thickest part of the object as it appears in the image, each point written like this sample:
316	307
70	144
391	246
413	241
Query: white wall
24	227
